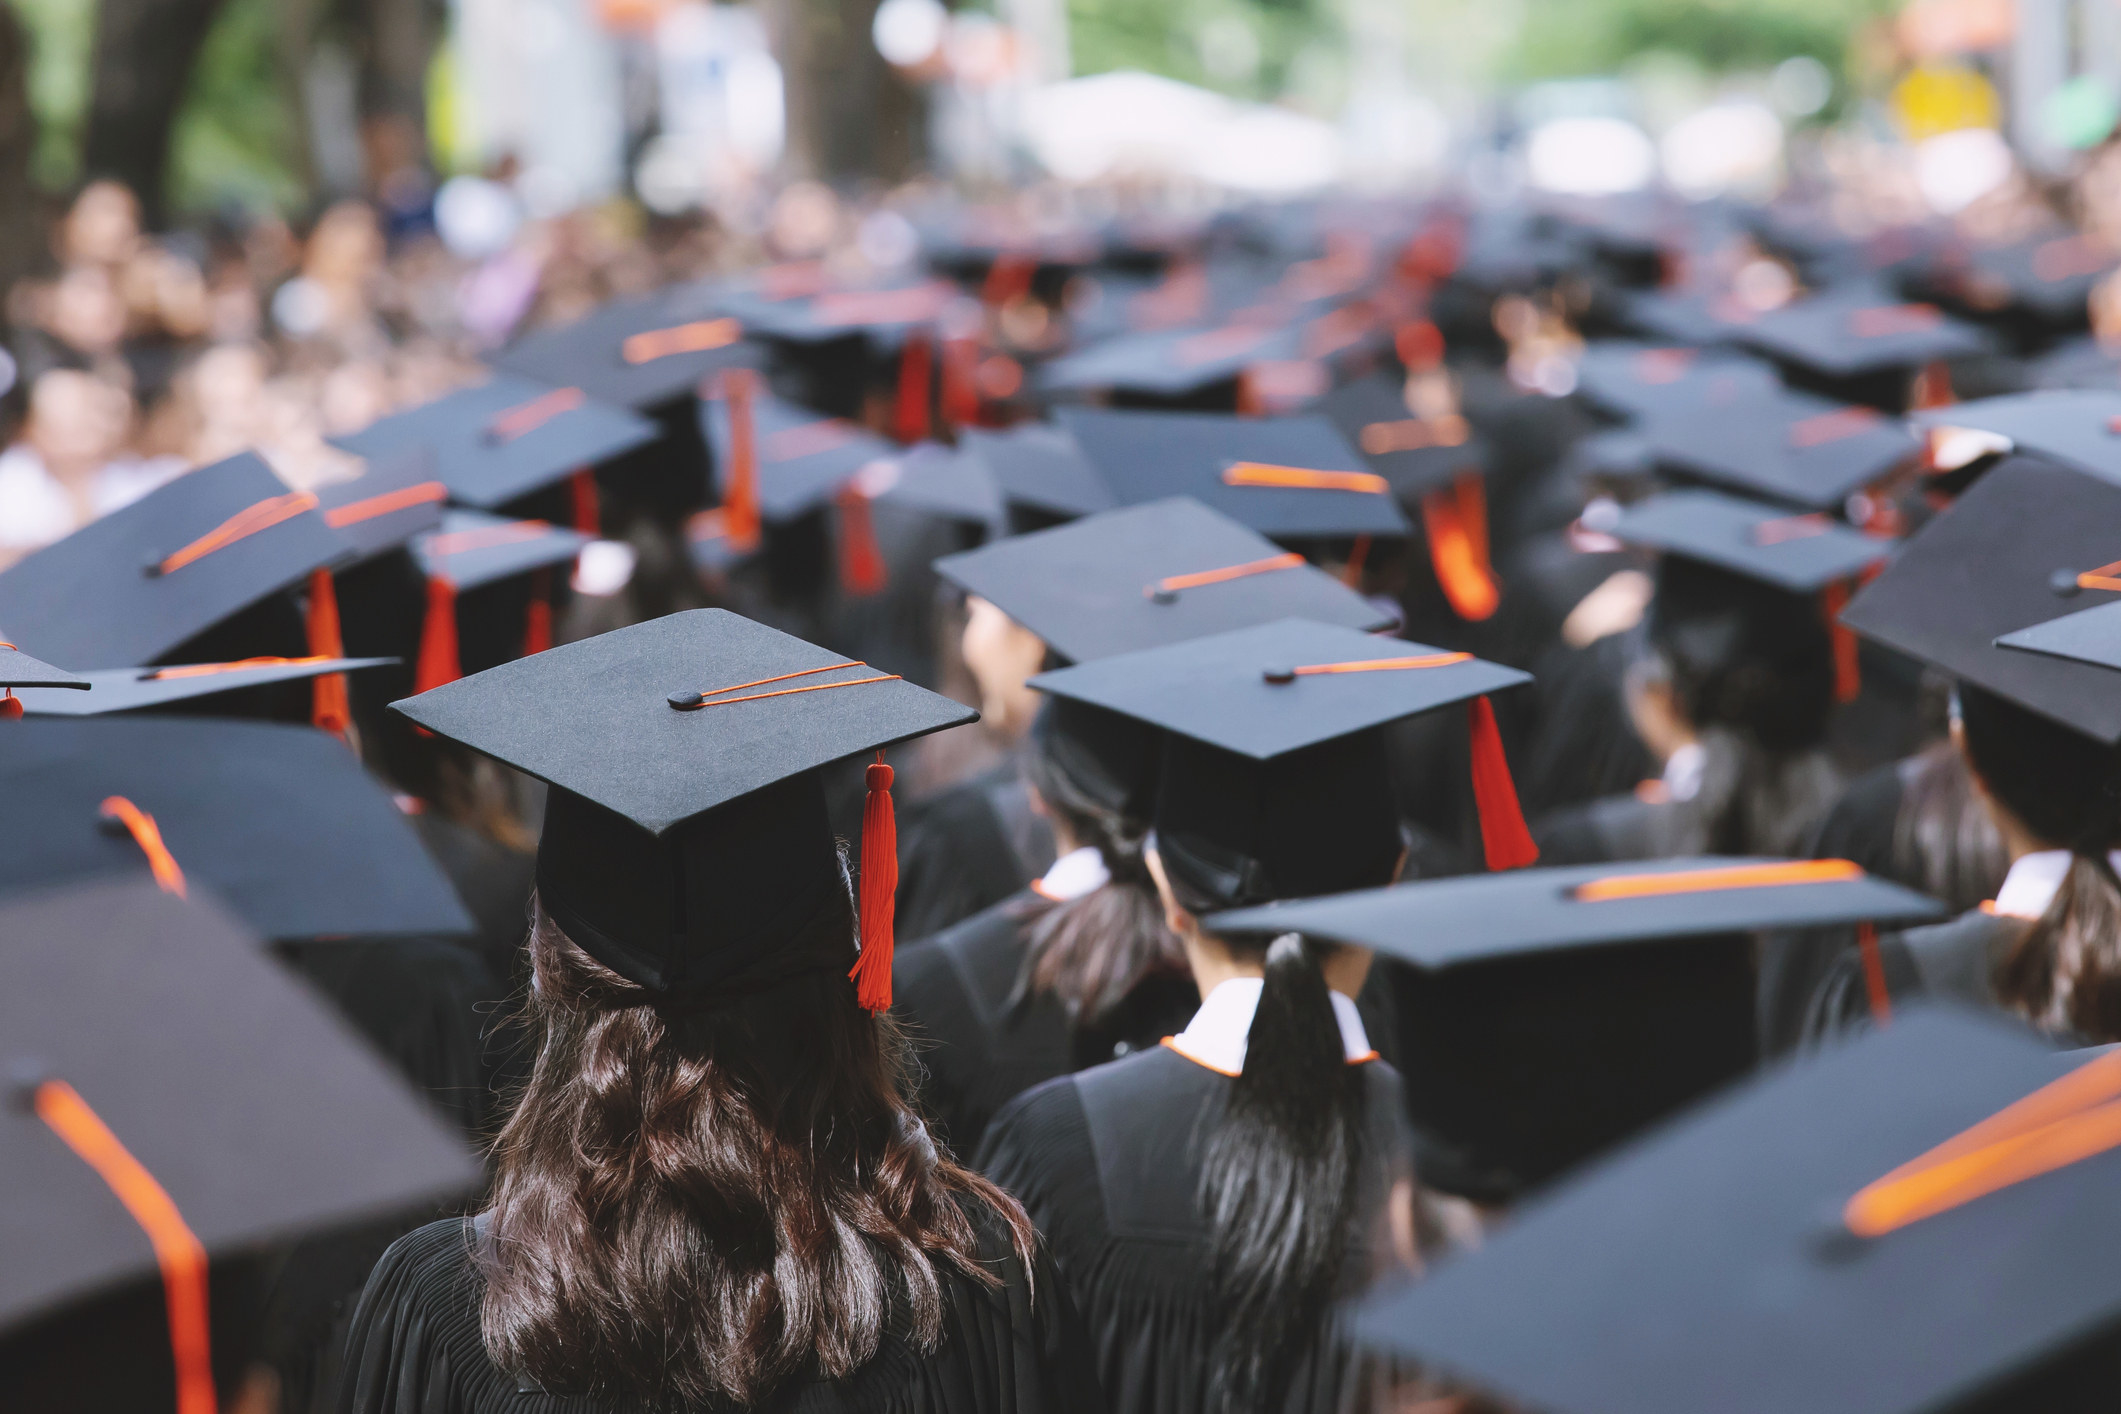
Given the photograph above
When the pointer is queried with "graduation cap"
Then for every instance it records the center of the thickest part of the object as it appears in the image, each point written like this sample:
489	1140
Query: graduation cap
18	669
884	312
136	585
396	497
1168	363
1688	317
636	353
508	437
2090	636
1627	379
279	821
1274	782
2049	277
1845	339
147	689
686	844
2077	428
179	1103
471	551
2027	543
1037	467
1786	446
1149	575
1800	553
1549	1013
1416	454
1288	478
1916	1220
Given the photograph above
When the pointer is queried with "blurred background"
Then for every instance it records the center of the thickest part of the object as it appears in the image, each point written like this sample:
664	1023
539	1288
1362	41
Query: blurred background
260	222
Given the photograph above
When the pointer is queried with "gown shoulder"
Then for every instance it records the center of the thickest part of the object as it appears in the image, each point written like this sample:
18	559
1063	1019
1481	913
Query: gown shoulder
1955	959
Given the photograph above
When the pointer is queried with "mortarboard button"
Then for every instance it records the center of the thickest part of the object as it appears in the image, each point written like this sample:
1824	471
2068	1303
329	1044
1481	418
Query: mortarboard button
2064	583
1278	675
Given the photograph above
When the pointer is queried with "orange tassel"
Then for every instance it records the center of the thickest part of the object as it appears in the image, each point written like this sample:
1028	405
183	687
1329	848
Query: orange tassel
438	662
537	619
872	970
10	707
740	496
909	422
960	393
1848	664
1503	836
329	709
1455	520
862	570
1874	973
1933	388
588	514
1358	556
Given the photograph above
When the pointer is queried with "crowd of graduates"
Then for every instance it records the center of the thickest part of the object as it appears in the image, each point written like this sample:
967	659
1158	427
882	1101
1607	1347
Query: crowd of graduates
1368	803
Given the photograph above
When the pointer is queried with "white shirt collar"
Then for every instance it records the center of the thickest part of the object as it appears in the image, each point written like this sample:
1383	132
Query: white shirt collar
1682	771
1217	1035
2033	881
1078	872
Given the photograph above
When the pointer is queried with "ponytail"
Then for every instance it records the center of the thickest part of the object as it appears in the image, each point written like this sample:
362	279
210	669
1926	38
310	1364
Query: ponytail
1279	1183
2065	971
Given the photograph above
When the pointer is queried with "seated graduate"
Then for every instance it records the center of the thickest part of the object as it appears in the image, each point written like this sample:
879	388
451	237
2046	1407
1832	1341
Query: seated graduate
1210	1201
712	1193
1079	967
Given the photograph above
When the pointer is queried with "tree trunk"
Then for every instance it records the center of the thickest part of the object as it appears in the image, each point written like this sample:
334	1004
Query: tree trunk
22	243
144	53
849	115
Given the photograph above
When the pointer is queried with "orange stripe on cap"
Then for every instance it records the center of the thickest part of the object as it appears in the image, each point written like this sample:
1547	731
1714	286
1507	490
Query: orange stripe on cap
1171	584
1379	665
527	417
148	835
262	515
700	336
693	701
2104	577
485	537
178	1252
1825	427
1735	876
1783	529
1413	434
2072	1119
205	670
1304	478
1882	320
425	493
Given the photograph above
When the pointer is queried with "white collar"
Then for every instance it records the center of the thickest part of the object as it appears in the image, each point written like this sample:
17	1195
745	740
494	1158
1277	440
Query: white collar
2033	881
1078	872
1682	771
1217	1034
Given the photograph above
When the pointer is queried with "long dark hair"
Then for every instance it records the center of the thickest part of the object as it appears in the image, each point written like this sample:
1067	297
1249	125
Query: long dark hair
1092	950
694	1205
2065	788
1280	1181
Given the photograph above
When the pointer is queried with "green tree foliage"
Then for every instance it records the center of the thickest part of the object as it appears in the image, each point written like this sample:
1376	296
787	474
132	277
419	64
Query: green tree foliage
234	140
1560	38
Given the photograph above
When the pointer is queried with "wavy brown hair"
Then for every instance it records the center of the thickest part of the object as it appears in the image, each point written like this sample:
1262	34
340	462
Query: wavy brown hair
695	1205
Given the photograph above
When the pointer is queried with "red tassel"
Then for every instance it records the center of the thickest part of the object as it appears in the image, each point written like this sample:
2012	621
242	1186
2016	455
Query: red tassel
1874	973
910	419
862	570
1358	556
329	710
872	970
960	393
587	513
438	662
537	619
740	497
1933	388
10	707
1503	836
1848	664
1008	278
1455	520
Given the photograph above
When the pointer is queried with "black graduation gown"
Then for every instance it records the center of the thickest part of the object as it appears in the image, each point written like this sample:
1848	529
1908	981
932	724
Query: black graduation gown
981	1046
1108	1165
1017	1348
1954	960
966	848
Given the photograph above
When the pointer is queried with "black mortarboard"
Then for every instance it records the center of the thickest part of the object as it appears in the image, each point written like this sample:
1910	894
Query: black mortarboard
1683	316
1839	336
2049	277
158	1026
883	312
636	353
1149	575
804	457
131	587
146	689
2028	542
2078	428
507	437
686	844
1274	782
947	483
1801	553
1416	454
18	669
1168	363
1546	1014
1715	1266
2089	636
472	549
396	496
1039	467
1785	445
280	822
1644	380
1289	478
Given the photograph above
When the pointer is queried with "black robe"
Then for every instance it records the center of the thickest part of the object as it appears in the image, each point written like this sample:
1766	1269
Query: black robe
982	1046
1108	1163
1016	1348
966	848
1955	960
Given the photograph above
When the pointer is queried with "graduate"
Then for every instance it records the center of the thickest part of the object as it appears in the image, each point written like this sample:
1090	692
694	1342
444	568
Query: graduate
1209	1201
1078	967
712	1191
